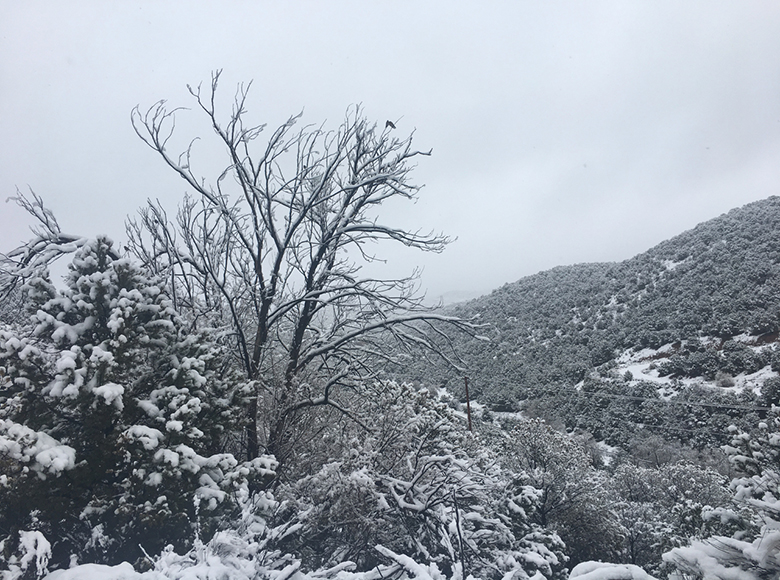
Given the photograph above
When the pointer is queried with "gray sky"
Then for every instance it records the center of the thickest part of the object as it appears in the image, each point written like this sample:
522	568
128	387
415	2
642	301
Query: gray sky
562	132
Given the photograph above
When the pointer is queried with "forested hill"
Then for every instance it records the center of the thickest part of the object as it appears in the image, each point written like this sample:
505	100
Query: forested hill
690	296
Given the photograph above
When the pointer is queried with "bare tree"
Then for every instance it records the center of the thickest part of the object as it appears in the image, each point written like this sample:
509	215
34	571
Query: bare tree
47	245
270	251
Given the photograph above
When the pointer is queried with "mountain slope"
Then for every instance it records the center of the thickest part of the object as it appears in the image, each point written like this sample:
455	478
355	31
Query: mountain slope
693	295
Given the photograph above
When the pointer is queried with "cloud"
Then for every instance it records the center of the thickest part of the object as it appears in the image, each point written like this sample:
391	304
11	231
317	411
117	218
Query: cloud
561	131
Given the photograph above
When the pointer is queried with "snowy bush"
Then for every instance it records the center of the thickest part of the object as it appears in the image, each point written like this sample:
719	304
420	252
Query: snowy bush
606	571
26	555
114	422
419	485
662	508
449	520
752	551
572	498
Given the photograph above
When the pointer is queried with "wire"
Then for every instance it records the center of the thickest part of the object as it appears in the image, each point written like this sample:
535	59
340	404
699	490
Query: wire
672	402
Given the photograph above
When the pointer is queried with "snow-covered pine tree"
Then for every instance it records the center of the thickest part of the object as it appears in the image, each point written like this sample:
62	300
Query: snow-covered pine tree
113	417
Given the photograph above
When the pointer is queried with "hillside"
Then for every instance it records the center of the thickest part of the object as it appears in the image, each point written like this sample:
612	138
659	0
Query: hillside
123	430
702	306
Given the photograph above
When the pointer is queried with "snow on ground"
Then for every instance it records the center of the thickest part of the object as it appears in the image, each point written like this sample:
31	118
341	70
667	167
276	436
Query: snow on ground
605	571
123	571
642	366
608	452
753	381
671	265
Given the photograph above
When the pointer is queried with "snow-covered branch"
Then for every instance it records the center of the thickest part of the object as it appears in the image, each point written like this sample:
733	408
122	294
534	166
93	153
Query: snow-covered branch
262	250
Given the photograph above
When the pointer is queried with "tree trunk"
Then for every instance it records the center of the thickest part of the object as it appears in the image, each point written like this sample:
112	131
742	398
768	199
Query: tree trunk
252	441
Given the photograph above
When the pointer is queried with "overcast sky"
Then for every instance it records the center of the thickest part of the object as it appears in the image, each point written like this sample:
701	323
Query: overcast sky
562	132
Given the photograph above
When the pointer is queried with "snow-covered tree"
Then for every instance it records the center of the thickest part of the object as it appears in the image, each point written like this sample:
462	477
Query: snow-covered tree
113	417
571	494
418	484
271	249
752	550
662	508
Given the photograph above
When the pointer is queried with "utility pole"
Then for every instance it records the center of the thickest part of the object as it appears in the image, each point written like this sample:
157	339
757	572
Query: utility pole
468	401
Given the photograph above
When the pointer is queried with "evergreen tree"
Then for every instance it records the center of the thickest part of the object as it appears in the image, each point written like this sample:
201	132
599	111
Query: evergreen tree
112	418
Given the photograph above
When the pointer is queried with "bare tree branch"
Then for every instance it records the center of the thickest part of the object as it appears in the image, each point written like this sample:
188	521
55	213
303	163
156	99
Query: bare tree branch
266	247
48	244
